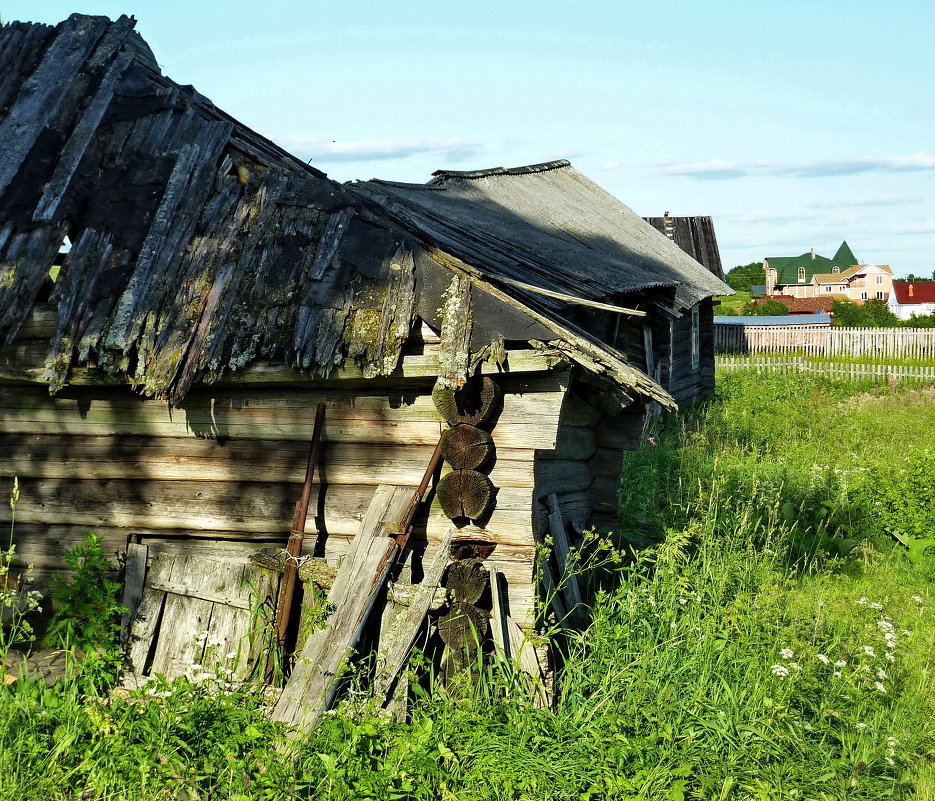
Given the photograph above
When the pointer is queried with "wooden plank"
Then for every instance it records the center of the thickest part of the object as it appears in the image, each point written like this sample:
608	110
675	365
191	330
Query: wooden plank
194	458
523	651
313	683
393	652
133	585
143	628
179	647
218	506
569	581
498	610
411	366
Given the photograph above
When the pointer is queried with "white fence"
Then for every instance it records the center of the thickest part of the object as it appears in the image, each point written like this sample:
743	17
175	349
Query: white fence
875	343
796	364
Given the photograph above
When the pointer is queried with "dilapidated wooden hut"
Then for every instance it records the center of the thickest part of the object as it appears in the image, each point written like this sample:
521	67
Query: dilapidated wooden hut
178	295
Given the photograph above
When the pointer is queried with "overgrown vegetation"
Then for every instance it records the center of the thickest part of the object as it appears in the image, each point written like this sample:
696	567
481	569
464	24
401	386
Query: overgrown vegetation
761	637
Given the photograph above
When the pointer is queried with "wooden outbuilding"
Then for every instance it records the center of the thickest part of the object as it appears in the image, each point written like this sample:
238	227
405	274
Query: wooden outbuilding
549	226
178	294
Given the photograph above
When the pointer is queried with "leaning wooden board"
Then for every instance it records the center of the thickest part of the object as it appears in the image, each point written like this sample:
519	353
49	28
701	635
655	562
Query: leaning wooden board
197	615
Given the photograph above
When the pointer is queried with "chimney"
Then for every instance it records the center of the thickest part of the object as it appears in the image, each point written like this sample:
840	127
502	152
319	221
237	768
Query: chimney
813	254
668	226
910	290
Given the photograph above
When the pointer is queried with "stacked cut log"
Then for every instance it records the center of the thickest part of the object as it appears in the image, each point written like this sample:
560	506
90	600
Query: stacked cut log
467	492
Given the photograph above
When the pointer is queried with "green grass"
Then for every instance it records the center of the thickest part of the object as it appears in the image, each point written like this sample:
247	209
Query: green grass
706	668
731	304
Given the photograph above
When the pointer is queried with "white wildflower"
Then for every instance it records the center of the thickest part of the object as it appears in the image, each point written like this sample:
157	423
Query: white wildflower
786	653
795	666
885	625
823	659
232	655
864	600
917	598
889	656
876	606
839	663
892	742
683	601
878	686
868	650
881	673
860	725
889	760
780	670
837	674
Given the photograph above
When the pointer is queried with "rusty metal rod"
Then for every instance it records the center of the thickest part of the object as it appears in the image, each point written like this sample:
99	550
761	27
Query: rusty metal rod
403	539
294	548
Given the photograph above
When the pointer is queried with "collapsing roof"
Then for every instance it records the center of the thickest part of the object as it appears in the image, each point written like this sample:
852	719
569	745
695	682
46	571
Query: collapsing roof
522	222
198	247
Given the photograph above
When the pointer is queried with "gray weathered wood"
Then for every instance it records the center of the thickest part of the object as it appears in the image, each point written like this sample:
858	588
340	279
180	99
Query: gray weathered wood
568	579
133	583
396	642
313	684
498	611
524	653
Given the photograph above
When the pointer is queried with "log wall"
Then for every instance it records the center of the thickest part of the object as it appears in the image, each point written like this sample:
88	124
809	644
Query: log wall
229	464
686	382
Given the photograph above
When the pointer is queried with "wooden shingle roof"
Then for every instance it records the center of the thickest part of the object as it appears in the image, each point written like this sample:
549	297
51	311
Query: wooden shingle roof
199	247
550	226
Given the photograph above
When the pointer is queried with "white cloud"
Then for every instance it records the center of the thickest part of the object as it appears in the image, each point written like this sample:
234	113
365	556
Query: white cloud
710	170
317	148
720	170
915	228
866	201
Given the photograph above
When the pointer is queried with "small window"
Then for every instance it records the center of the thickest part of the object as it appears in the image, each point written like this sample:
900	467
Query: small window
835	269
696	338
863	295
802	274
828	288
880	295
879	279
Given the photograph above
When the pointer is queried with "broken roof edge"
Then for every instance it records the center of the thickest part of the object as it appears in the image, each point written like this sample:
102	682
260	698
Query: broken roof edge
576	344
527	169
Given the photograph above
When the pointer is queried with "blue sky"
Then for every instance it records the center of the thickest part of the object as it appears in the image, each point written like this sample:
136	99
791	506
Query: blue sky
795	124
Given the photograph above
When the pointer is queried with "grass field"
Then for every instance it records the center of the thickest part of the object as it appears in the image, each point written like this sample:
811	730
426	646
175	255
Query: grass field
755	634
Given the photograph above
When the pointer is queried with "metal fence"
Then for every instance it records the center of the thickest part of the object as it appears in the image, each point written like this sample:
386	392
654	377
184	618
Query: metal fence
878	344
912	373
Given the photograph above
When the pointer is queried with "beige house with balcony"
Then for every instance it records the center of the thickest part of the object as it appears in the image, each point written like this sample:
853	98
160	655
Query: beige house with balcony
858	283
814	276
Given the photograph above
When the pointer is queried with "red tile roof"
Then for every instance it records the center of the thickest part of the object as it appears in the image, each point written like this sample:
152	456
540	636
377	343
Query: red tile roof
922	292
803	305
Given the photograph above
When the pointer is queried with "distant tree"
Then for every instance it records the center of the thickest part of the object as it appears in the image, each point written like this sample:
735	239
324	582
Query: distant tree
919	321
880	314
745	276
847	314
766	308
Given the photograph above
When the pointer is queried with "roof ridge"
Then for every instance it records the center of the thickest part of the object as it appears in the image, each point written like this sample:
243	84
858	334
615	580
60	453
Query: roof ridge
528	169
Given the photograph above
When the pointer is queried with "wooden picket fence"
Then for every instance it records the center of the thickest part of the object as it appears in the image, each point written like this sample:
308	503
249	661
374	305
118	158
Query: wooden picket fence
880	344
913	373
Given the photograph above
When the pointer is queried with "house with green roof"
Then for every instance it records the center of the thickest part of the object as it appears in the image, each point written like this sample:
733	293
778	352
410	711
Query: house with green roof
792	275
